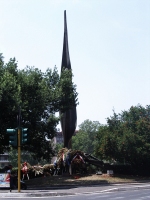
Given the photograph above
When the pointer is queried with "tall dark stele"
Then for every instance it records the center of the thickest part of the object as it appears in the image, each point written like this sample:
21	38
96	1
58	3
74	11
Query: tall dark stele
69	117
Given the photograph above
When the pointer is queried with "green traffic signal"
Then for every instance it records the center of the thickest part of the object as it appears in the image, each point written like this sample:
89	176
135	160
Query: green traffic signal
13	136
24	135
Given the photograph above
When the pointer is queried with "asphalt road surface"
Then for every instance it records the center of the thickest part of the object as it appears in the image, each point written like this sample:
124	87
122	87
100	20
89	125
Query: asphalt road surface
113	192
116	195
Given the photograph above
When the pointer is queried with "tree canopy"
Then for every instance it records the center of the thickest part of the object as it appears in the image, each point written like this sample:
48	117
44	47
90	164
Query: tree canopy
126	137
39	95
85	138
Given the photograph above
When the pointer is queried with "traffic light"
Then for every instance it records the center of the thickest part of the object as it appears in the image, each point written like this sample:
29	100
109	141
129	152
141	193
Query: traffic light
13	136
24	135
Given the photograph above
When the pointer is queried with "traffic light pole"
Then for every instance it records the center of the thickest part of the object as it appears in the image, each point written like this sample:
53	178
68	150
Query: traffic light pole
19	148
17	137
19	155
15	141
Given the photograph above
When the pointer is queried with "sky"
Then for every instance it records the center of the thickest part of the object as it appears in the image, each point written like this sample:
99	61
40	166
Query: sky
109	46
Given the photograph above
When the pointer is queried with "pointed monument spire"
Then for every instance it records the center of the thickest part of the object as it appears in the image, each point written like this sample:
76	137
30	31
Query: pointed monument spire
69	117
65	57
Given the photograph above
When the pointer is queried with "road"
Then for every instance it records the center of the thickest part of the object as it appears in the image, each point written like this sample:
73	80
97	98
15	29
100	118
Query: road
112	192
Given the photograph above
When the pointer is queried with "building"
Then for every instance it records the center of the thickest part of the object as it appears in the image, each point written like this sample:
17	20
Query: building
59	138
4	160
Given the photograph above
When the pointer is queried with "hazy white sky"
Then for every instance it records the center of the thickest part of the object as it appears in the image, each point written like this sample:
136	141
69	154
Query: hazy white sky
109	45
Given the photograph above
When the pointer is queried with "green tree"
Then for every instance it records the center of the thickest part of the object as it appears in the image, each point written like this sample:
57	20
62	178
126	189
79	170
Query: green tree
58	147
85	138
10	99
126	137
40	95
26	156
